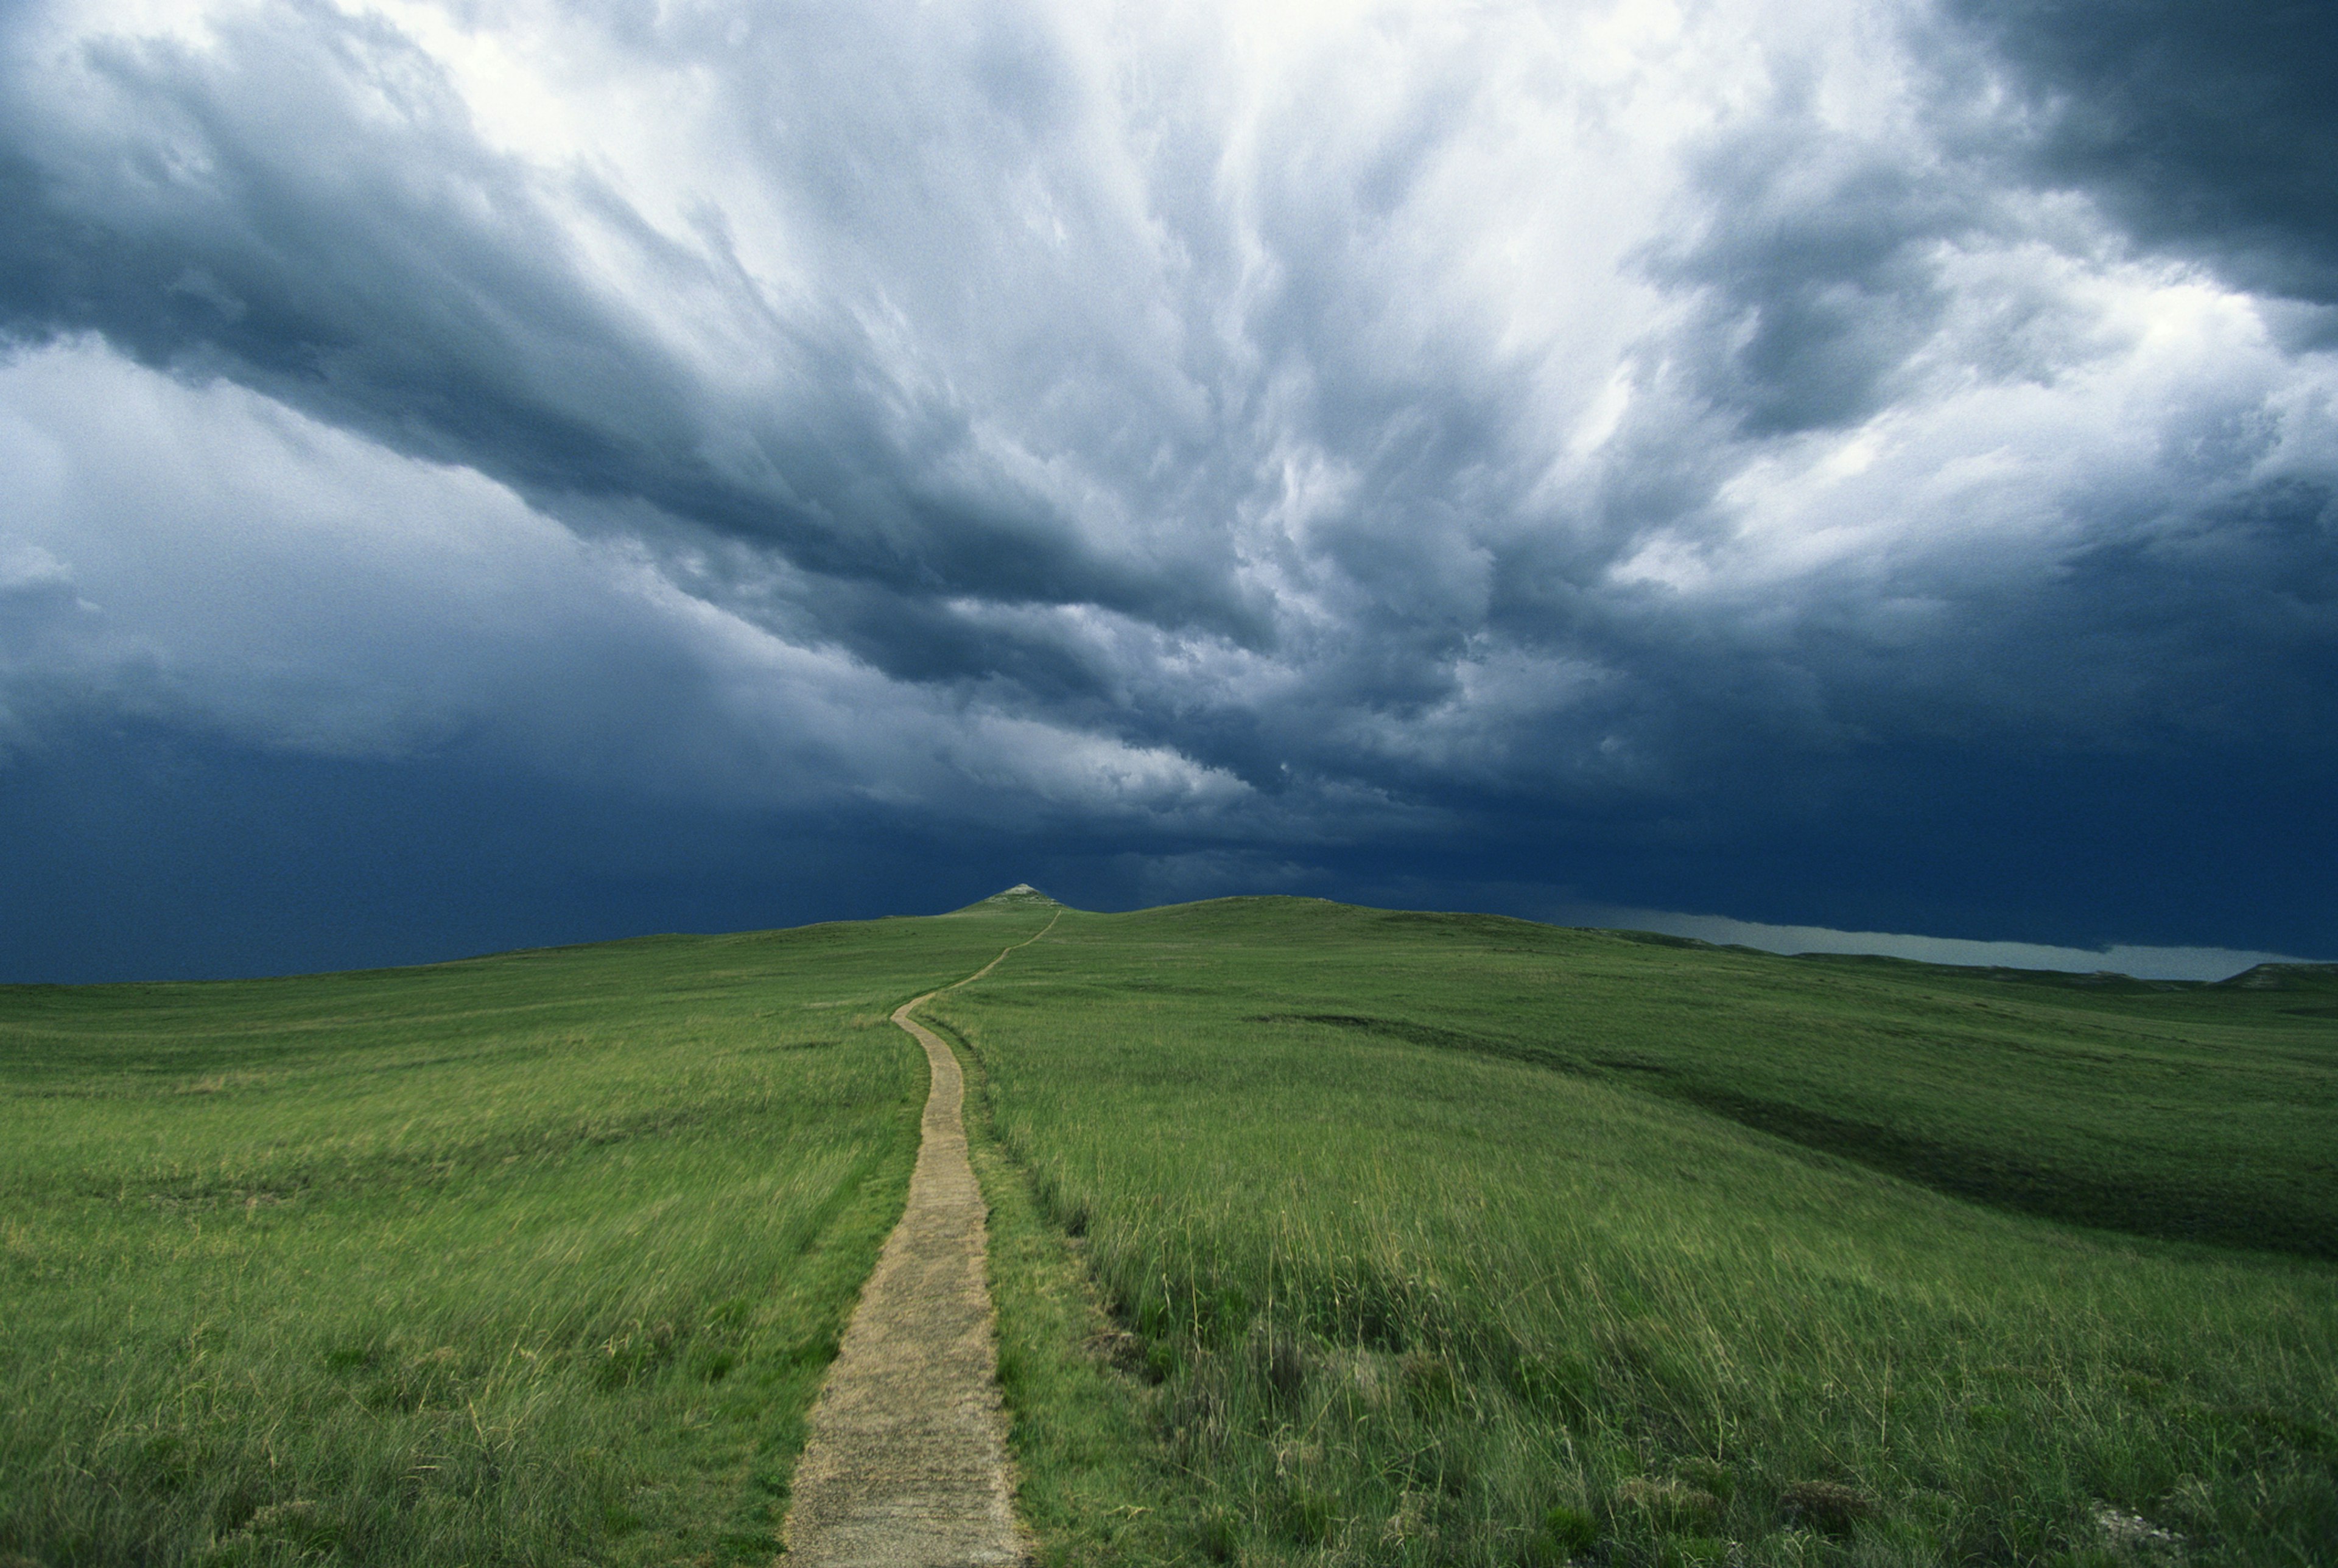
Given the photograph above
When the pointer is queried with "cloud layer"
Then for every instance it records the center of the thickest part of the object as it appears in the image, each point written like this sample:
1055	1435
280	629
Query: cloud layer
1866	465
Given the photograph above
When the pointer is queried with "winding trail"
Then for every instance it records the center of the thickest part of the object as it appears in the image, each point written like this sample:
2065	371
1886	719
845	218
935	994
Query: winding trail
905	1466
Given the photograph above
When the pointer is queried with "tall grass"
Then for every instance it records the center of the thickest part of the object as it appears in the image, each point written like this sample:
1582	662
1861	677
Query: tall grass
529	1260
1320	1236
1407	1297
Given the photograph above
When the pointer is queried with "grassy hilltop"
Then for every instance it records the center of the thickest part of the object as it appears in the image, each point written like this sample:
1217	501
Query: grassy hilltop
1321	1235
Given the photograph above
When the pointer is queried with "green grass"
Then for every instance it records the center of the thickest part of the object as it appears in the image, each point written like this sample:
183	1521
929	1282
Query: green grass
1443	1239
1320	1236
1095	1482
535	1259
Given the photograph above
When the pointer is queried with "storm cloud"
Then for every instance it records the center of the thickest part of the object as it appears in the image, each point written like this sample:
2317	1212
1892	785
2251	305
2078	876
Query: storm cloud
1863	464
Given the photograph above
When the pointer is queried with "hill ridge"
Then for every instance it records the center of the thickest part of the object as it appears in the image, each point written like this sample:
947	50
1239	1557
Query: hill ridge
2297	976
1022	896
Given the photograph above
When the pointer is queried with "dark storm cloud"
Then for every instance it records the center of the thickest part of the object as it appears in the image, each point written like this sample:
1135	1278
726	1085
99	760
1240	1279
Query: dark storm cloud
1741	466
1815	268
2206	128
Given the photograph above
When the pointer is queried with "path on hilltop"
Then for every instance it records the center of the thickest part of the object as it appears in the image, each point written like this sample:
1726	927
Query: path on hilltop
905	1466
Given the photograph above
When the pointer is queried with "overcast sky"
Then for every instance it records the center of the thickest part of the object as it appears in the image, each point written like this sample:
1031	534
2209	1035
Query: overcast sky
485	474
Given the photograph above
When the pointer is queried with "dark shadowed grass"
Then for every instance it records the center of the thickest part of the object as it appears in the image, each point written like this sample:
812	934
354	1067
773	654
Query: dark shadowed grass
1454	1241
536	1259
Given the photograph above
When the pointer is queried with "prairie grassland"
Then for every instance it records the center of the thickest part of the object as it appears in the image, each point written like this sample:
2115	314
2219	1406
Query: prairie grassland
536	1259
1458	1241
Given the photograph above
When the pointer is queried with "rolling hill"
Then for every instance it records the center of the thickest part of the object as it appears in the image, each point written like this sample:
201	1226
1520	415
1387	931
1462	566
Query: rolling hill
1321	1235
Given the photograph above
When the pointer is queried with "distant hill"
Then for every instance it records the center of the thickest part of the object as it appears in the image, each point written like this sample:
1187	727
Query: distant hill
1022	896
2285	977
1918	969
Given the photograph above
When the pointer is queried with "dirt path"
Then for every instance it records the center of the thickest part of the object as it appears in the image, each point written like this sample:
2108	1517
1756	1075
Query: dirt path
907	1462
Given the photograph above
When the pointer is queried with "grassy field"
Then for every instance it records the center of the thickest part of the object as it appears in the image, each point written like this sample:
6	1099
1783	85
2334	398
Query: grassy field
1320	1235
536	1260
1430	1239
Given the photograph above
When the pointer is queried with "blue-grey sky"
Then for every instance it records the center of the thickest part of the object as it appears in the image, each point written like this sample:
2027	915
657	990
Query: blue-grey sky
479	474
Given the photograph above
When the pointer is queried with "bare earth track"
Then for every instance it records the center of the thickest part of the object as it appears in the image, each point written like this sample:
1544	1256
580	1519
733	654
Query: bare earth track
905	1466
